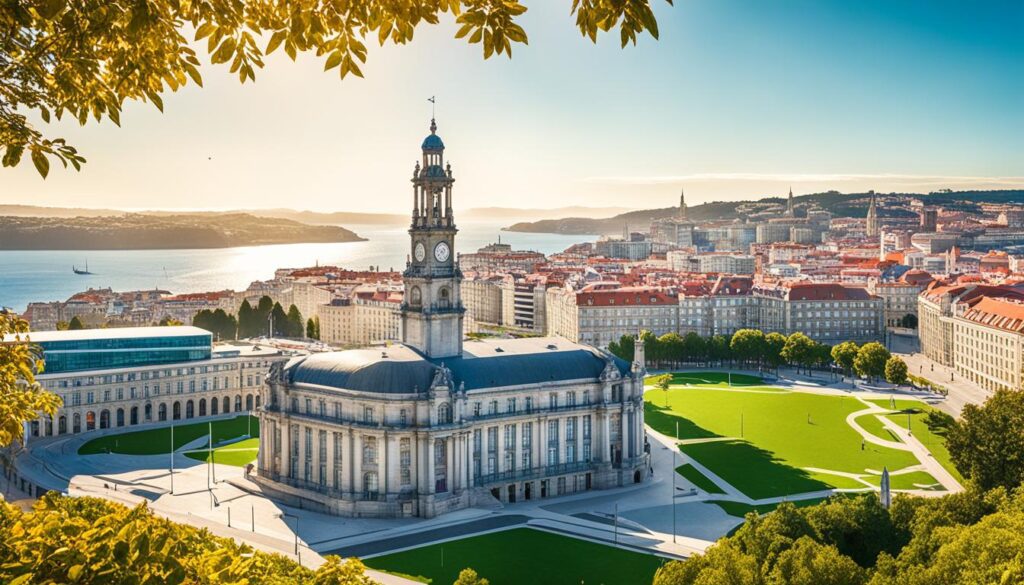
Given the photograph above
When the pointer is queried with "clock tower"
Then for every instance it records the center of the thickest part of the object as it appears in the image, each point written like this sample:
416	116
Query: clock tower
432	308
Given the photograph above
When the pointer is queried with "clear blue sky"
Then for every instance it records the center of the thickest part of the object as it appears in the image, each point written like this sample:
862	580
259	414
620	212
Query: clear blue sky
738	99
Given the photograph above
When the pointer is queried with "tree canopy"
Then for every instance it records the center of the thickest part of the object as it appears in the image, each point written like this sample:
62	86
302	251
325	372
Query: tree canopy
84	59
220	323
871	359
987	443
960	539
90	540
22	399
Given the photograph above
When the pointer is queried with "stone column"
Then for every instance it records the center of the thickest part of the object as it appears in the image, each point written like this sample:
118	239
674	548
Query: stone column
606	437
501	449
385	465
431	472
449	462
330	461
286	450
357	465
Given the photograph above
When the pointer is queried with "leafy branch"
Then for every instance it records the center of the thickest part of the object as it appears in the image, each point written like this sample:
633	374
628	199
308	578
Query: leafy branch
85	58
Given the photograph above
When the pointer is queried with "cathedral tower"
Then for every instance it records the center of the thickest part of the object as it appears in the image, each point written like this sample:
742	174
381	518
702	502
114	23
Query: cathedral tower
872	223
432	309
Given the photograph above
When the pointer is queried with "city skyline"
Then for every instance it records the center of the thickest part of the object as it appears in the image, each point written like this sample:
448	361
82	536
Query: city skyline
911	98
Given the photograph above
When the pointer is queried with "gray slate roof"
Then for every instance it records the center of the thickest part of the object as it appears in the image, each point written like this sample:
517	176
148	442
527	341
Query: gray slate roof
490	363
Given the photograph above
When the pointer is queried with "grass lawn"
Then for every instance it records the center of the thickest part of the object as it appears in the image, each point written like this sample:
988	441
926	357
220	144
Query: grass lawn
720	379
522	555
872	424
782	434
740	509
158	441
698	479
932	438
908	481
238	454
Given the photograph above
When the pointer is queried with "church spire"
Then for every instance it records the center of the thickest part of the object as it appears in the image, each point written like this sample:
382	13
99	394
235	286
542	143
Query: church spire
790	212
872	223
682	204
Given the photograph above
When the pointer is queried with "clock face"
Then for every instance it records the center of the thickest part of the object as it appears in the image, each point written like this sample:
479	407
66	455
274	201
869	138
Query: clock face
420	252
442	252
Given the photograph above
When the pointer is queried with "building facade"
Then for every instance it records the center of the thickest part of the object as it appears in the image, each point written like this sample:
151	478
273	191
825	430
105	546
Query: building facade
121	377
436	423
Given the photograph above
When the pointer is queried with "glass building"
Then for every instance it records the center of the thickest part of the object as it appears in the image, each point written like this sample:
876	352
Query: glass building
102	349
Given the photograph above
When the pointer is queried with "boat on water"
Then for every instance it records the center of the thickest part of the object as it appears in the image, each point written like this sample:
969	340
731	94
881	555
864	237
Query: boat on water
78	270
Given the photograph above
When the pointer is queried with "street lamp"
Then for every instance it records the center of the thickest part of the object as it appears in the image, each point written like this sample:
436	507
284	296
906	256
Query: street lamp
296	518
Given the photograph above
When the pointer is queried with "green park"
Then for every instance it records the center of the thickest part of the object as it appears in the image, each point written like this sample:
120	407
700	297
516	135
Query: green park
235	440
511	557
770	442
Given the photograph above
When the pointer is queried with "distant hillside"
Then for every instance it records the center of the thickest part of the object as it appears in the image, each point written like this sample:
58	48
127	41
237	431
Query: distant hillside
310	217
153	232
839	204
506	213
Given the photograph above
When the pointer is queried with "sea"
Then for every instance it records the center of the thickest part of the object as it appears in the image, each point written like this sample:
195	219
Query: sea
46	275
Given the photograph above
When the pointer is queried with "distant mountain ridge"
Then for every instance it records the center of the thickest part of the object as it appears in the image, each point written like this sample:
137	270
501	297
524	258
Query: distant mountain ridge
136	231
840	204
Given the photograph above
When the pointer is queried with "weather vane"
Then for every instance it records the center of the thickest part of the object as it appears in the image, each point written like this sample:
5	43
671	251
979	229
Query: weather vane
433	104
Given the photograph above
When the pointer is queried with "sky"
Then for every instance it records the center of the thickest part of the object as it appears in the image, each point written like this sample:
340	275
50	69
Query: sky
738	99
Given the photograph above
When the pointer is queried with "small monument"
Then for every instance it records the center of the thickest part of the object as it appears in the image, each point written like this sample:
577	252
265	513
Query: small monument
886	494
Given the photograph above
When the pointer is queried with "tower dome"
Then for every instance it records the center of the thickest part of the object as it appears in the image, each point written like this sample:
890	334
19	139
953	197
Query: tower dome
433	141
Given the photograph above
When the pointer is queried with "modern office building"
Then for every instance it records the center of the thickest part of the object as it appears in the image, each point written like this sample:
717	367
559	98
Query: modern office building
435	424
128	376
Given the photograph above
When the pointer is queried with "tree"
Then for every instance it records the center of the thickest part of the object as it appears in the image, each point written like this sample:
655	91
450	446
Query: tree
896	371
469	577
91	540
22	399
623	348
169	321
281	325
844	354
313	328
246	320
224	326
773	344
987	443
870	360
295	328
75	324
671	348
662	383
718	348
799	349
748	345
809	563
694	347
84	59
909	321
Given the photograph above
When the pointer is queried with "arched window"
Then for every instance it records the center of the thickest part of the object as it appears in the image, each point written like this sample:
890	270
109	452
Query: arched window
133	417
444	299
370	450
176	411
120	417
62	425
238	403
415	297
227	405
76	425
444	413
214	405
248	402
104	419
190	409
90	420
202	407
161	412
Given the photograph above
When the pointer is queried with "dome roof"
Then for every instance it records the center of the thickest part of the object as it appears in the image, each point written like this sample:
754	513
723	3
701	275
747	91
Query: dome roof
433	142
491	363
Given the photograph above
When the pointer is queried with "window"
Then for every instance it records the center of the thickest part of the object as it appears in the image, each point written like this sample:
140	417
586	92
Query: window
476	409
370	450
322	440
444	413
368	414
552	400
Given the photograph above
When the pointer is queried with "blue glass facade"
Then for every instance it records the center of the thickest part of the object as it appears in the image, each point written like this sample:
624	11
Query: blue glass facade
76	355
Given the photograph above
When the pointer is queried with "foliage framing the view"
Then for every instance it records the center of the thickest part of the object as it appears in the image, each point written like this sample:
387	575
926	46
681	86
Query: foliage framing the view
22	397
83	59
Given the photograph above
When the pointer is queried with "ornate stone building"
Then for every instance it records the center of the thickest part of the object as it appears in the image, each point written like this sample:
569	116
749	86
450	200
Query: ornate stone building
436	424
